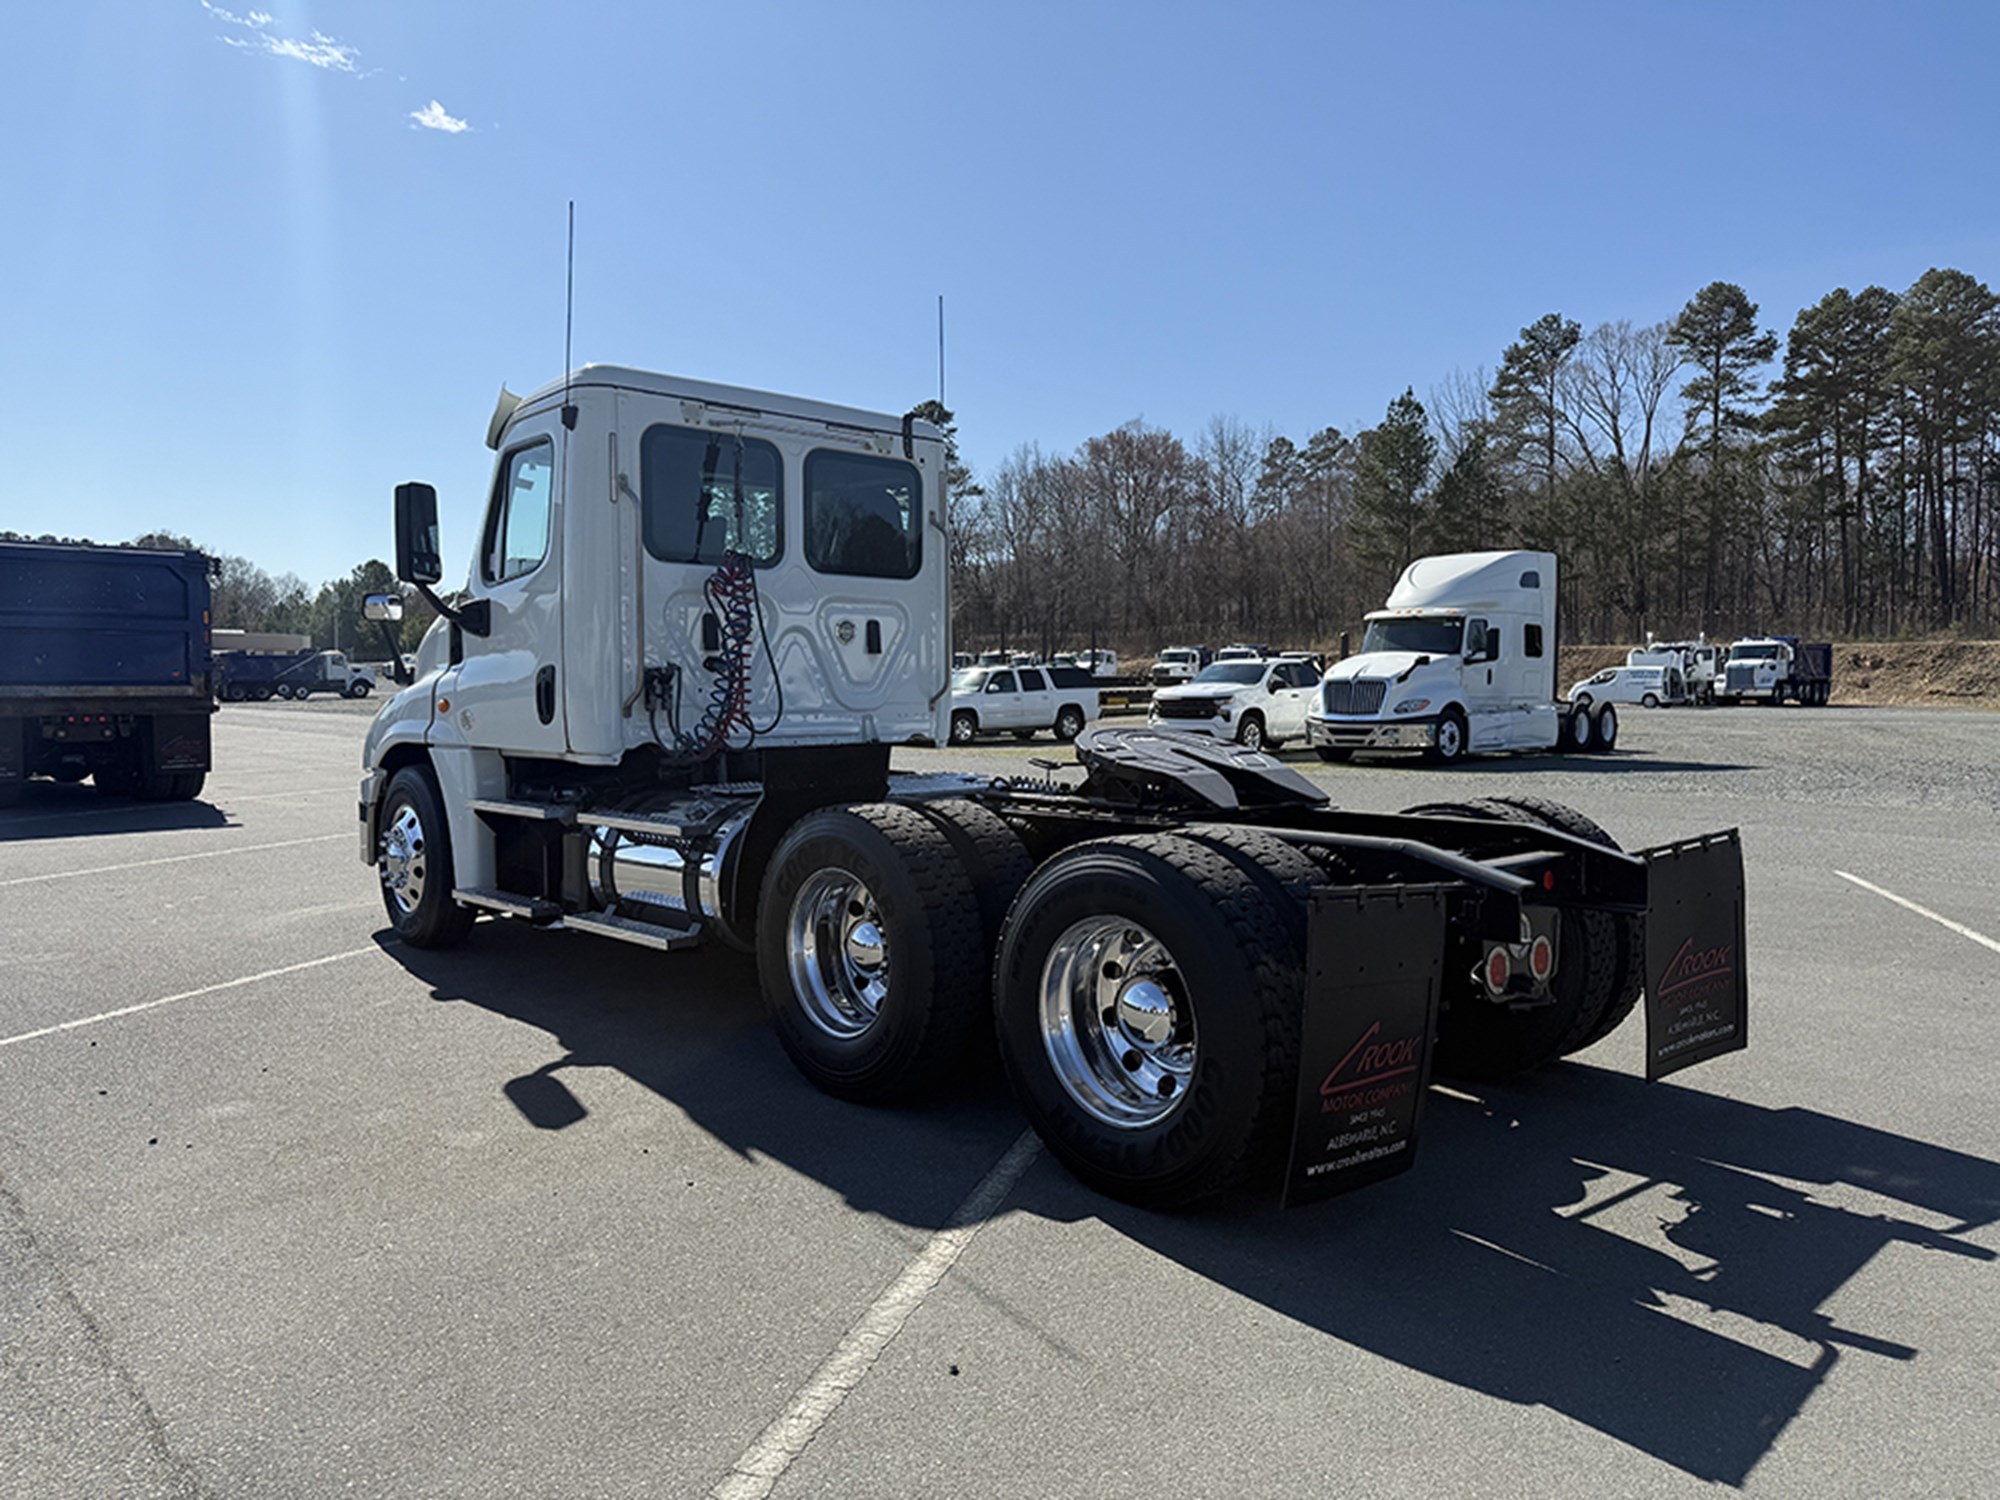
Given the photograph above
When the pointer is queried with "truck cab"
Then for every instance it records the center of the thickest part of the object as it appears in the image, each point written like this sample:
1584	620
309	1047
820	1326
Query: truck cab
1460	659
1772	668
673	583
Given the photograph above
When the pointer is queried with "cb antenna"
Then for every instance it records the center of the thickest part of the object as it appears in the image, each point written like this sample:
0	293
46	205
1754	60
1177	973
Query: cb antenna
569	319
940	348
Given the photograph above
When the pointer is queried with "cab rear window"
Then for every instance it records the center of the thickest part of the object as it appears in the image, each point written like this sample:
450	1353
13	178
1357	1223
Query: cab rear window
864	515
702	494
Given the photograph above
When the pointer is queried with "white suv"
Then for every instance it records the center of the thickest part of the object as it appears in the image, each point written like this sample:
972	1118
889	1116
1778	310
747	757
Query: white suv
1258	704
1020	701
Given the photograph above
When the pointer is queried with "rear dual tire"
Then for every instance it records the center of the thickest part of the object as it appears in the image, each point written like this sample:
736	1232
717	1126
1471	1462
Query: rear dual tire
1147	1006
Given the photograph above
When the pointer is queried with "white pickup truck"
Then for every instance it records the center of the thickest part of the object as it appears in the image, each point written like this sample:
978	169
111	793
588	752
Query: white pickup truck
1256	703
1021	701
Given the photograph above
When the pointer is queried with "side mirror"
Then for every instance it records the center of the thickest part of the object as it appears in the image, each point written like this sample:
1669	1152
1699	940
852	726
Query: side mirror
382	607
418	558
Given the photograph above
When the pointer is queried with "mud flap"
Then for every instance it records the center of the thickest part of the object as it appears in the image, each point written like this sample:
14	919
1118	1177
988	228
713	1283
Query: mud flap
1373	960
1696	990
13	753
175	742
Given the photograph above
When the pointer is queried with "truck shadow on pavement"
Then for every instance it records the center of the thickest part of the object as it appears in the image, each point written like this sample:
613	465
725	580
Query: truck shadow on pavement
52	810
1646	1259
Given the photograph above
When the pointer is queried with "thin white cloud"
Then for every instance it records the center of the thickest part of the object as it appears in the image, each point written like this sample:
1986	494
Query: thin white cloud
433	117
316	48
254	32
256	19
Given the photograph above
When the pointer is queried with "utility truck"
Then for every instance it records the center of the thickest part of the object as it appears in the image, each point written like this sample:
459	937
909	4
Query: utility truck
1772	668
104	668
1699	662
1460	660
662	709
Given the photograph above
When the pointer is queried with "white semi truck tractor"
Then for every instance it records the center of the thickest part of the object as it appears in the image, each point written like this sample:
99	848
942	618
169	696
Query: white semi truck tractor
1461	660
661	711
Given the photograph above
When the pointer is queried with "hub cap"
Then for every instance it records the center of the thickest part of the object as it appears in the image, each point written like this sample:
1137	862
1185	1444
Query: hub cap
403	863
838	952
1116	1022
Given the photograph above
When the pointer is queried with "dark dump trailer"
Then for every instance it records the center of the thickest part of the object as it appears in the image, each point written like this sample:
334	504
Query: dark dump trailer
104	668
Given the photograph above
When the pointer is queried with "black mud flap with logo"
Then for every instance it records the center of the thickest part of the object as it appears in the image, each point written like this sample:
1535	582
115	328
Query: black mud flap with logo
176	742
1696	990
1373	960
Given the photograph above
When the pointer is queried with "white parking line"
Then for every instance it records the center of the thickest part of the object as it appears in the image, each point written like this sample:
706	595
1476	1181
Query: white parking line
764	1462
174	859
1923	911
210	989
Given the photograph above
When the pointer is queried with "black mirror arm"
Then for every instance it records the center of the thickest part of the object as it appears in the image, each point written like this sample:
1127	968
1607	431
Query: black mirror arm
474	617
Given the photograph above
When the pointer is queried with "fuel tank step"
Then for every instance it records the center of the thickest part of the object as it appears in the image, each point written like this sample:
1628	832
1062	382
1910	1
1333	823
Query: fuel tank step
626	930
528	908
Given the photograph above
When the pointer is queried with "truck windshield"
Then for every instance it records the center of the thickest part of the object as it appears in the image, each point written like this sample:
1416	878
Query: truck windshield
1232	671
1752	653
1433	637
968	680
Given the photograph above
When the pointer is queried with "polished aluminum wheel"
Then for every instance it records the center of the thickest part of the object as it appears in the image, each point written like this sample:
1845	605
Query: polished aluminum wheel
403	863
838	953
1117	1023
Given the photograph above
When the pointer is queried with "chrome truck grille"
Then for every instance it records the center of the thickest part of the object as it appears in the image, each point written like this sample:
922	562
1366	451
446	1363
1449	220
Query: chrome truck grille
1353	697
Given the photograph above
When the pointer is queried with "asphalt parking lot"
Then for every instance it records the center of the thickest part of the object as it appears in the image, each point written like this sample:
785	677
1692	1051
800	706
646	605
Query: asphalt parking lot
286	1209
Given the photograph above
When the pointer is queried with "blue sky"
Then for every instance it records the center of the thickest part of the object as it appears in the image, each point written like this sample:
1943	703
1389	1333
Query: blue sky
254	277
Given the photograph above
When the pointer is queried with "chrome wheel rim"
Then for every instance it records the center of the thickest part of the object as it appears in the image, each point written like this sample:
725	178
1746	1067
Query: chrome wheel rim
1252	736
1449	742
1116	1022
404	863
838	950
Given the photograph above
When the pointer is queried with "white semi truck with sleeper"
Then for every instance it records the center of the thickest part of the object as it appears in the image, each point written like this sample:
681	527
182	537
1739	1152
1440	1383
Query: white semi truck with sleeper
662	709
1460	661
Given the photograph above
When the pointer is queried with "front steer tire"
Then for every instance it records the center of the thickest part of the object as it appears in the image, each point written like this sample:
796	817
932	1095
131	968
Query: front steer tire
870	952
413	842
1235	972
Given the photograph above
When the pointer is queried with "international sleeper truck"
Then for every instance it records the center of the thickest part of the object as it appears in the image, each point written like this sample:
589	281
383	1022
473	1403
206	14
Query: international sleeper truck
1461	660
661	711
104	668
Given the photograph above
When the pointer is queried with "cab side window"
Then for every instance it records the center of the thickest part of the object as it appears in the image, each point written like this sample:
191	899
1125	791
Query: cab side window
517	525
1475	640
1031	682
1000	682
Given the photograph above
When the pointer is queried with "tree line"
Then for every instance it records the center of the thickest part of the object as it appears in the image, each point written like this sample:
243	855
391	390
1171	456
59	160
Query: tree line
1855	491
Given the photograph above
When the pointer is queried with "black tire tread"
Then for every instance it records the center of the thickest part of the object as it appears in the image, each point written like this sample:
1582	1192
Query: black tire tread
993	857
938	1034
